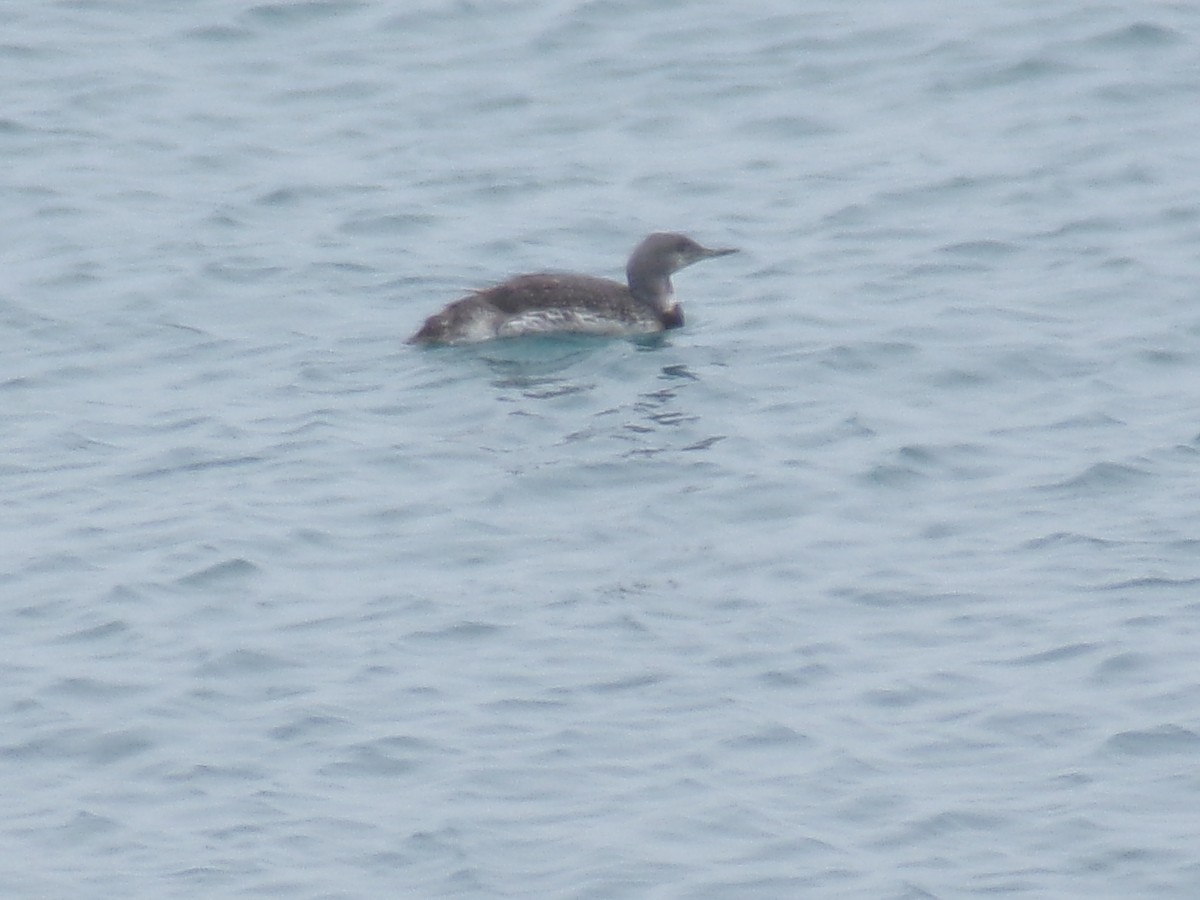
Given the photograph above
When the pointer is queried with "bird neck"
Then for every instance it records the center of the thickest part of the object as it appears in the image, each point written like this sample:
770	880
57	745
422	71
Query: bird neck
655	291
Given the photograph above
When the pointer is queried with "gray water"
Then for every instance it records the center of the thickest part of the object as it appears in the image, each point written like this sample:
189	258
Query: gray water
881	578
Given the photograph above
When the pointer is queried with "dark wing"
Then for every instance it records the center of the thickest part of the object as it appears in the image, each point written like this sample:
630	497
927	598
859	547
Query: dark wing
526	292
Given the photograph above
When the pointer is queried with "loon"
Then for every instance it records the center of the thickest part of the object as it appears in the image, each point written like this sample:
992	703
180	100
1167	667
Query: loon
554	303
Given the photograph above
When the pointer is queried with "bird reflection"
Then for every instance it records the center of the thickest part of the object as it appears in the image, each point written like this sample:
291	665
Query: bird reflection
531	373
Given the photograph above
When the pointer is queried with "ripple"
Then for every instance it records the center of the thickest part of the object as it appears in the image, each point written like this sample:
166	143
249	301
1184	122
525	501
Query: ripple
1164	740
1138	36
1055	655
220	573
1102	477
245	662
460	631
383	758
84	744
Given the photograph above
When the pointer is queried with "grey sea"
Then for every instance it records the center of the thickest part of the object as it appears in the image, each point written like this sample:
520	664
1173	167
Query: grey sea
880	578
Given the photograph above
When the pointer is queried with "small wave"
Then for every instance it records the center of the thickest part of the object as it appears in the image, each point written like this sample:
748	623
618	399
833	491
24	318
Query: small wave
1165	740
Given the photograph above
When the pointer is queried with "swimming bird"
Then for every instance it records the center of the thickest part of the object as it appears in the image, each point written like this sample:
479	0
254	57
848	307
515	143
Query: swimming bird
564	303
